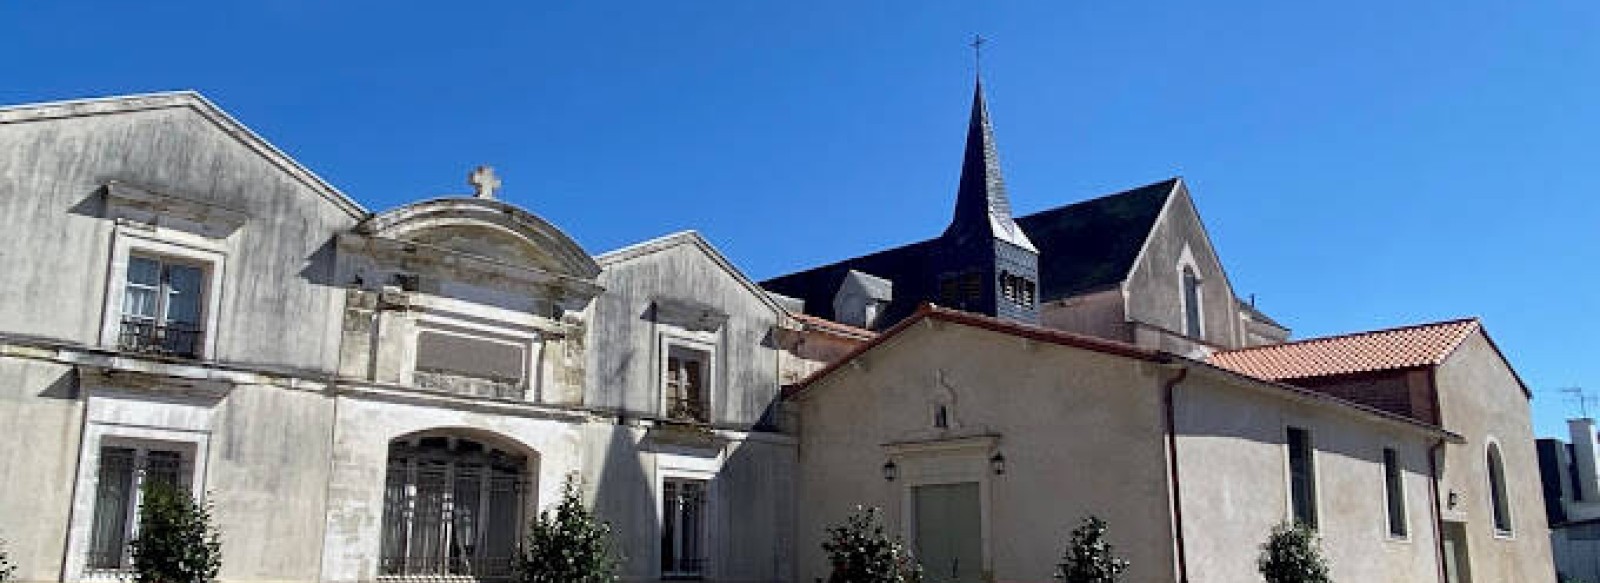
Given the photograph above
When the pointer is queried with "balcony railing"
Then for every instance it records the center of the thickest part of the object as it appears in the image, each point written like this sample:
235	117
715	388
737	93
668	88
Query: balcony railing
151	337
692	410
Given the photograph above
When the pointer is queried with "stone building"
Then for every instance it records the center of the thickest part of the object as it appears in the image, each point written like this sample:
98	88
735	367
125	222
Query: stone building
394	395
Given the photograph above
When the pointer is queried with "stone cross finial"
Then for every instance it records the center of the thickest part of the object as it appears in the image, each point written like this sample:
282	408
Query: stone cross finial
484	181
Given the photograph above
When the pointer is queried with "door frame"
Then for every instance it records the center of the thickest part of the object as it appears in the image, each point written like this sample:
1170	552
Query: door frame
941	462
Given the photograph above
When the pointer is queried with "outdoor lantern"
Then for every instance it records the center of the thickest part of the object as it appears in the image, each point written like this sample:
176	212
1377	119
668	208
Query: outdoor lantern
890	471
998	463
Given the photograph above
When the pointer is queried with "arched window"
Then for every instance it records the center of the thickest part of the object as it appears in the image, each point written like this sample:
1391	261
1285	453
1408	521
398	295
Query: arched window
1191	303
1497	491
451	507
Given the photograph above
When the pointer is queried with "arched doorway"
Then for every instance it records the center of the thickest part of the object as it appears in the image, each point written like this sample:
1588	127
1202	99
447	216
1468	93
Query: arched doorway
454	505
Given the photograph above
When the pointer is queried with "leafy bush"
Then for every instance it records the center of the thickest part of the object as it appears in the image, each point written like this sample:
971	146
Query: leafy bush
1292	554
7	570
569	545
861	553
1089	558
177	542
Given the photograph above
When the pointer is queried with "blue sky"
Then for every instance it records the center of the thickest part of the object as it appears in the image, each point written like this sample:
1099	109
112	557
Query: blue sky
1359	164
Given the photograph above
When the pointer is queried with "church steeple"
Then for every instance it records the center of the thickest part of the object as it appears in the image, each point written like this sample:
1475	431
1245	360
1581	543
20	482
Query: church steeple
982	209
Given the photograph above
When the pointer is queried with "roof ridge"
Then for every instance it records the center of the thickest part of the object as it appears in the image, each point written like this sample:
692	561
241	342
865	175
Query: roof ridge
1172	179
1355	334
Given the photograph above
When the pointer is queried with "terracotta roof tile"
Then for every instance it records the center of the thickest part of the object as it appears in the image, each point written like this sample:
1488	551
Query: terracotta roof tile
833	327
1395	348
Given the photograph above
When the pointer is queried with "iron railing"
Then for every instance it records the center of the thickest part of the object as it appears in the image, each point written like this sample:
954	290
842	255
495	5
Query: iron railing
687	409
151	337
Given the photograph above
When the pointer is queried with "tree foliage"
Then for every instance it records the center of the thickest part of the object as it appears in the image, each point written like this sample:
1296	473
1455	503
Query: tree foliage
7	569
1089	558
1292	554
861	553
568	545
177	542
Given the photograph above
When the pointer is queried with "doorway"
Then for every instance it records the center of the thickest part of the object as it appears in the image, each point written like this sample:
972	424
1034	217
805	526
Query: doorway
1457	566
949	532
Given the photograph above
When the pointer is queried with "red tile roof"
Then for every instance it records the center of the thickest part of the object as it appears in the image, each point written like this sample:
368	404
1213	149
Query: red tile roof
1379	350
835	328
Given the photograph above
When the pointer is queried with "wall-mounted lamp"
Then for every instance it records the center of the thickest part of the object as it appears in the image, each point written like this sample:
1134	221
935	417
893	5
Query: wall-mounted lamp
890	471
998	463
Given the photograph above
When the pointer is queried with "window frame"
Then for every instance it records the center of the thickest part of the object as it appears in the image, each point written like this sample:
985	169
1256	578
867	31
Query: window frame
412	456
1187	265
190	466
1313	503
1394	498
702	344
1498	491
699	571
167	247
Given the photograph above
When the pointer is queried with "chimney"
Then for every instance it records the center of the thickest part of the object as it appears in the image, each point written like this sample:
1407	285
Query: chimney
1583	455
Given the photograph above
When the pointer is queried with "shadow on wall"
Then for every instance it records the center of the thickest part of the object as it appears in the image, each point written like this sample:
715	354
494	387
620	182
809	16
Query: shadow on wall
623	495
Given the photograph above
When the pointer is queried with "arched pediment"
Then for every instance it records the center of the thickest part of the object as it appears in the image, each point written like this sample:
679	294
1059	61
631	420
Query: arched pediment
485	228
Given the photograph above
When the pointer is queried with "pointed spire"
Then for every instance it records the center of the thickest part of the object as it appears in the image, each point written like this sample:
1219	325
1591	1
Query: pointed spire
982	208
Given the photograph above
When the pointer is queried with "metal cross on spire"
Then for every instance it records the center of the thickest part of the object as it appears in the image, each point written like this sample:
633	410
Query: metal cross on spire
977	50
484	182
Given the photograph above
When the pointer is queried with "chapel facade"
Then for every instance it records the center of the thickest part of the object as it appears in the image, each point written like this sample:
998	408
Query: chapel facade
394	395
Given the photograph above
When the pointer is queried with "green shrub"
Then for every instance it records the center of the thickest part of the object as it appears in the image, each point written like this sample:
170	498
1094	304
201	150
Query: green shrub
1089	558
7	569
1292	554
177	542
569	545
861	553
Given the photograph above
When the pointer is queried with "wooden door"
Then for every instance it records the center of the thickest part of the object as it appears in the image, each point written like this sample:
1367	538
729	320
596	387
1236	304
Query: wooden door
949	532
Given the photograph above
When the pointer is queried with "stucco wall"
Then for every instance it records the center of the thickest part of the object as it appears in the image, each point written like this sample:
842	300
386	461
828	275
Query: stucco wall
39	407
623	341
1100	314
1233	464
1155	287
1081	433
52	203
1481	399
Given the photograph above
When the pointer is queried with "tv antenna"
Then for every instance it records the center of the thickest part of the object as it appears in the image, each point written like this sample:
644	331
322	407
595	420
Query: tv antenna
1583	398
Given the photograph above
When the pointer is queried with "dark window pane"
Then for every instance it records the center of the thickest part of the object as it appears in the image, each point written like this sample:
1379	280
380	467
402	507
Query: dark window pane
1395	493
1302	477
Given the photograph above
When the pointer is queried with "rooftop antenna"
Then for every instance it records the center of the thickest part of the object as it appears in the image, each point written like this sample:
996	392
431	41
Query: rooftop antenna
1582	397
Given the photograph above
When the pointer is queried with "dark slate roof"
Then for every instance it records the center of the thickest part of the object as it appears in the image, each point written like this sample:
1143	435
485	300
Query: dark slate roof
1082	247
983	211
1092	244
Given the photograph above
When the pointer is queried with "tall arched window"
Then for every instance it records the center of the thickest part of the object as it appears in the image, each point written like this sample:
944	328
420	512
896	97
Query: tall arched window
1497	491
1191	303
451	507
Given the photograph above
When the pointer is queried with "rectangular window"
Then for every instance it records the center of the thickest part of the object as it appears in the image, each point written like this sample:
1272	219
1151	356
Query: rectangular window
686	396
123	472
1302	477
161	307
1394	493
683	524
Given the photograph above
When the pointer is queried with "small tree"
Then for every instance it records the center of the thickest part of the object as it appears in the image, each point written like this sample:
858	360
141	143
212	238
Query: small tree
861	553
1292	554
7	570
177	542
569	545
1089	558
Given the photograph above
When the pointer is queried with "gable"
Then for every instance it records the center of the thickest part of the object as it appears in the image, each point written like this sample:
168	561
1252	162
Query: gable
1093	244
687	253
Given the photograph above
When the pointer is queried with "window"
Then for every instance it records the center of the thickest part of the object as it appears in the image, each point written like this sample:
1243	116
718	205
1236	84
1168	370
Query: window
1497	492
1017	289
1394	493
686	396
960	290
1191	303
451	507
1302	477
119	481
683	527
162	307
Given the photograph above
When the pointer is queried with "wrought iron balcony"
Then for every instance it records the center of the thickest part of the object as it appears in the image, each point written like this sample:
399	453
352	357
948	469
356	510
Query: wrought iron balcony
690	410
151	337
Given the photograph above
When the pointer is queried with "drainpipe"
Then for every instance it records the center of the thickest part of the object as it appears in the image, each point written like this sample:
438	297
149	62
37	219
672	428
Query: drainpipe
1172	469
1438	516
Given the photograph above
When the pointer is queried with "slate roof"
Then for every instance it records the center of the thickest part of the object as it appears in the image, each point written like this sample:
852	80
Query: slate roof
1082	246
1380	350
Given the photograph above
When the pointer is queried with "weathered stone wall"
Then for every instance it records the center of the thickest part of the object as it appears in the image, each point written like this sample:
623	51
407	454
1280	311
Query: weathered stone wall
52	202
42	415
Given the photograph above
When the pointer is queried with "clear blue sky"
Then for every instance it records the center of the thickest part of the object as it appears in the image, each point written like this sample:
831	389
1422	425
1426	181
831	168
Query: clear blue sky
1359	164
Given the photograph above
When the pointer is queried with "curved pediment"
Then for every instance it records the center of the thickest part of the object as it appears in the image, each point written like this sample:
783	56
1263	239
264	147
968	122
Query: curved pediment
488	229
